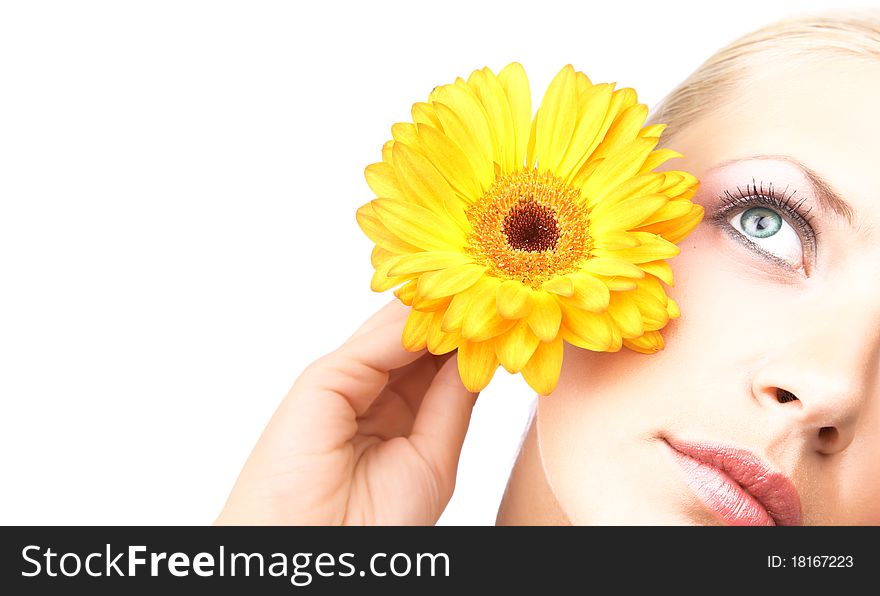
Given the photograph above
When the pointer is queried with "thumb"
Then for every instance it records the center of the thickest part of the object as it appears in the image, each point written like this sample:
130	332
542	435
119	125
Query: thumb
442	422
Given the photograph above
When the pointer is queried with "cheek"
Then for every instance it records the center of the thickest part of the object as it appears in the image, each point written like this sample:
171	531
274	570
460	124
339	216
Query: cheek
599	427
606	411
628	388
598	436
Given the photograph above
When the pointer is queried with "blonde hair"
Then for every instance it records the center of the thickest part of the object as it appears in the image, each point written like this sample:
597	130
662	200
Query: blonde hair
812	36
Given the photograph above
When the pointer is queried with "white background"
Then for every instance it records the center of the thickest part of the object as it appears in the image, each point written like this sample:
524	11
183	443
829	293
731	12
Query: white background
178	183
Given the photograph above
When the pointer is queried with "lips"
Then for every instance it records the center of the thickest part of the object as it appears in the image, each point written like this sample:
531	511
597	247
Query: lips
737	486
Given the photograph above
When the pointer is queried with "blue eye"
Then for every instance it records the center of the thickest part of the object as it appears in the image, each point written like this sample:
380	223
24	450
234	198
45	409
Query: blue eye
760	222
767	230
770	223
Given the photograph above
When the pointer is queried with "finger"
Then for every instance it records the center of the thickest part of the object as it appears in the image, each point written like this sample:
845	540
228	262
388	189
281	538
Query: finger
320	412
412	382
391	311
359	369
393	413
442	422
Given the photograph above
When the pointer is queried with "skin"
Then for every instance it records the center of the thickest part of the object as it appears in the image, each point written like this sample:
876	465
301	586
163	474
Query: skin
593	454
371	434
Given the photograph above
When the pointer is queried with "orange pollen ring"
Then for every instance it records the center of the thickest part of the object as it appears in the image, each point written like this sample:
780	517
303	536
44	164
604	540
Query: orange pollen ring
529	227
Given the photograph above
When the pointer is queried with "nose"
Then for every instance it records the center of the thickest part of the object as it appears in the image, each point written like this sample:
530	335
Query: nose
823	380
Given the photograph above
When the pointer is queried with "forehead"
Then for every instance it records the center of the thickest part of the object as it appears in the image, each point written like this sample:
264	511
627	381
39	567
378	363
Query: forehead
823	112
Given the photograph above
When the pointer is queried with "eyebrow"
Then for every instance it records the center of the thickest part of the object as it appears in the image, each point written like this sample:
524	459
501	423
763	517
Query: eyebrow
828	198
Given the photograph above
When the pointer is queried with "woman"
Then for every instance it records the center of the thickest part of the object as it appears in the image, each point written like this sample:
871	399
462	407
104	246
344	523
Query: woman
764	407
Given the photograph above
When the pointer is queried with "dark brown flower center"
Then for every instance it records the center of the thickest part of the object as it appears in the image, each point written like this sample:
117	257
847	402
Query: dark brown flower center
530	226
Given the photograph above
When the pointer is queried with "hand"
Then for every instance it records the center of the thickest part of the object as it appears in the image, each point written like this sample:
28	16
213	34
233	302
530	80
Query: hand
368	434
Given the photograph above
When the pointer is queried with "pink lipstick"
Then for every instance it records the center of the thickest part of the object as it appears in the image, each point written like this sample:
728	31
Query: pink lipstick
737	486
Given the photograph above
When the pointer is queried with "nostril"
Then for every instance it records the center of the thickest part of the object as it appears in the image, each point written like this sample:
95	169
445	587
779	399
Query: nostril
783	396
828	434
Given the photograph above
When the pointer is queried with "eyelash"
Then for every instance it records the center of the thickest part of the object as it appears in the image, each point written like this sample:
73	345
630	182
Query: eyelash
759	196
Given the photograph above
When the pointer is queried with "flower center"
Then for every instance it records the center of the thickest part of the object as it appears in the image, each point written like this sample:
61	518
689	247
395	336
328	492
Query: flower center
529	227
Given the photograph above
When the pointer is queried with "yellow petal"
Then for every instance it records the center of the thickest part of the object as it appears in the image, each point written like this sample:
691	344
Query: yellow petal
590	330
658	157
653	248
424	185
454	315
611	267
653	311
543	368
620	284
418	226
675	230
560	285
579	179
625	314
639	185
477	364
379	255
671	210
407	291
583	82
592	106
625	130
678	182
514	300
406	133
419	262
423	113
589	293
648	343
382	280
379	233
672	309
440	342
485	329
477	103
616	169
516	86
620	101
556	119
616	338
430	305
491	94
450	161
415	330
530	146
456	130
653	130
383	180
660	269
386	150
481	320
587	343
515	347
652	286
449	281
545	317
613	239
626	214
652	302
461	100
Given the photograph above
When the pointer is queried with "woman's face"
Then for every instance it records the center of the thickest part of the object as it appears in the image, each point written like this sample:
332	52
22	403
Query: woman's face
777	350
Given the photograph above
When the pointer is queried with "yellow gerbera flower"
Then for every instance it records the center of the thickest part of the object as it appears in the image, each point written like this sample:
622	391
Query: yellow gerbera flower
510	234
